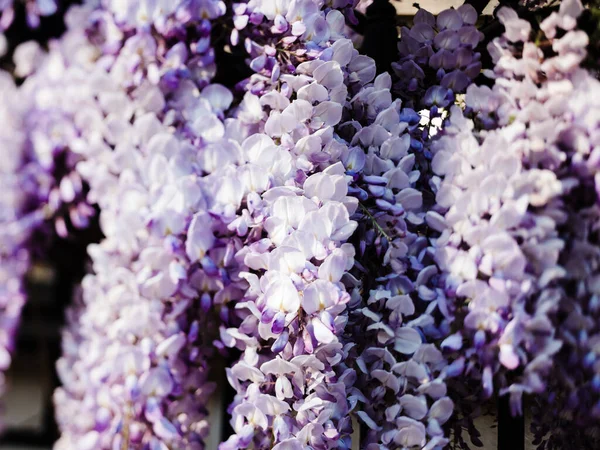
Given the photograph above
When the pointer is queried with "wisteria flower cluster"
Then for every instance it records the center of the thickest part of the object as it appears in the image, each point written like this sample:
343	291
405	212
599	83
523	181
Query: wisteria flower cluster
16	222
372	254
510	251
438	56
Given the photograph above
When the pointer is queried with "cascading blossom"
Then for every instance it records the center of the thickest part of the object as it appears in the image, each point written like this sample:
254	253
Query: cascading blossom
516	216
402	314
438	57
143	316
571	399
400	386
42	195
293	309
17	219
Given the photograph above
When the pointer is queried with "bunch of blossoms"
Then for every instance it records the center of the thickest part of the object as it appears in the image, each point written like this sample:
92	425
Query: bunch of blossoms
19	217
43	193
438	57
572	398
396	308
402	312
134	366
293	310
506	211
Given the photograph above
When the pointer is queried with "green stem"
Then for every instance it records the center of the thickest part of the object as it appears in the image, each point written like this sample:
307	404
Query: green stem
379	228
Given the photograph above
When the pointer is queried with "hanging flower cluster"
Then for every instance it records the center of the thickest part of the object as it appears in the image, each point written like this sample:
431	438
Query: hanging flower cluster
293	310
142	316
16	222
400	373
438	56
43	196
520	255
354	258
